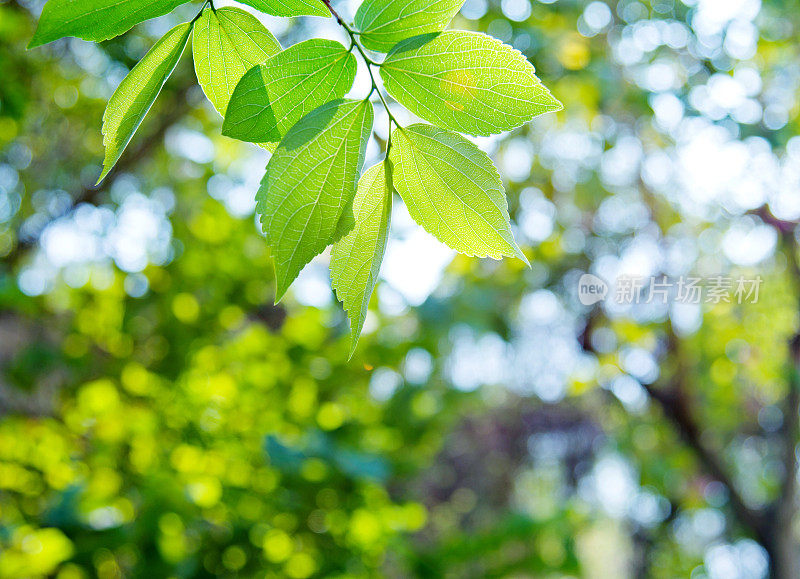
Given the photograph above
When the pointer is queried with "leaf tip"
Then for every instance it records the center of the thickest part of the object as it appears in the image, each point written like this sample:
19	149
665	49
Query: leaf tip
226	127
36	40
355	334
519	254
280	293
106	171
553	104
283	282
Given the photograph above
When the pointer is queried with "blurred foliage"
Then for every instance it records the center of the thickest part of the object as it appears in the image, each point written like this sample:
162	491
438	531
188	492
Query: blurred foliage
160	417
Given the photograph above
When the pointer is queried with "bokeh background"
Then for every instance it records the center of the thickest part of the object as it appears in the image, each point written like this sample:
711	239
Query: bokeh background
159	417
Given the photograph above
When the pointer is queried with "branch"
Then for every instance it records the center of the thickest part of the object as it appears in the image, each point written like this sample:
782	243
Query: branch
784	503
781	544
675	405
673	399
783	506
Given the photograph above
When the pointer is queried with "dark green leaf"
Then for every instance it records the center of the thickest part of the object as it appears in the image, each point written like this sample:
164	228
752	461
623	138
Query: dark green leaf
96	19
289	7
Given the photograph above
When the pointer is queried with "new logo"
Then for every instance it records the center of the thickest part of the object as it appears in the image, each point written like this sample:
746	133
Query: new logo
591	289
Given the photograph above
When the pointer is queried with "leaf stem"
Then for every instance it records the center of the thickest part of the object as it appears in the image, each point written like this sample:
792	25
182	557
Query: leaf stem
383	100
369	62
202	9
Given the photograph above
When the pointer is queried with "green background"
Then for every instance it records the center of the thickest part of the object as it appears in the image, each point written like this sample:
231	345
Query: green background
159	417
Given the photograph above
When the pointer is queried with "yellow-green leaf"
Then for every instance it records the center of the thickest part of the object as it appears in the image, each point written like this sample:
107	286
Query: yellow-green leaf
226	44
384	23
310	180
466	81
289	7
96	19
356	258
453	190
138	91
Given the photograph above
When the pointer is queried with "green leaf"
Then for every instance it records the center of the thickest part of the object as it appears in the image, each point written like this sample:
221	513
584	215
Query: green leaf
453	190
384	23
310	180
272	97
138	91
226	44
289	7
356	258
466	82
96	19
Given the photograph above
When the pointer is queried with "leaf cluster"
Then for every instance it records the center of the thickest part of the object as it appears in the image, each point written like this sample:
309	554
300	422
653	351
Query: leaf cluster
315	192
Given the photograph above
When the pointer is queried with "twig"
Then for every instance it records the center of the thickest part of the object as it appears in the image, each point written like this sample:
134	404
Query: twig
369	62
674	401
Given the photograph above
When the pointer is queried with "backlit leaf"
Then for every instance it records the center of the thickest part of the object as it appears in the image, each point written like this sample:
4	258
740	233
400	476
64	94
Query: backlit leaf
467	82
272	97
310	180
96	19
356	258
226	43
289	7
136	93
384	23
453	190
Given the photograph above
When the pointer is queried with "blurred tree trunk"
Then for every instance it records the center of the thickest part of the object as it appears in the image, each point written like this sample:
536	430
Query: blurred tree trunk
780	542
779	527
772	527
782	550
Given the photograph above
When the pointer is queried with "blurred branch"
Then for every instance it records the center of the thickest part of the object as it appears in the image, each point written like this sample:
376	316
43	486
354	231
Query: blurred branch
784	503
774	526
782	226
676	407
675	403
130	159
791	419
175	110
782	546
